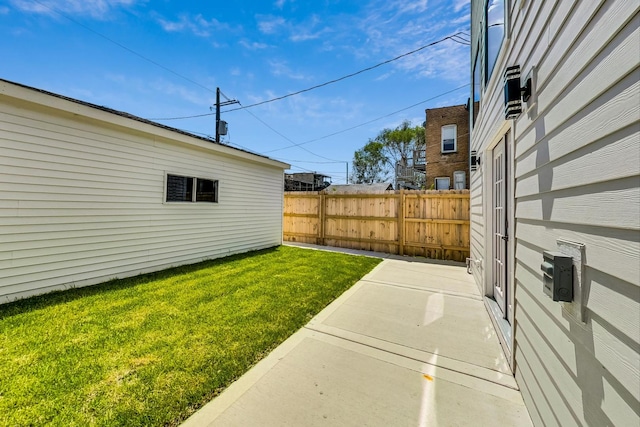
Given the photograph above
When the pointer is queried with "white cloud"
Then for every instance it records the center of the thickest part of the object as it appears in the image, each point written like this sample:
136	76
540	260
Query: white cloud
384	76
270	24
253	45
462	19
460	4
280	68
4	10
196	24
412	6
449	61
298	32
309	109
171	89
391	28
279	3
94	8
303	34
217	45
161	86
307	30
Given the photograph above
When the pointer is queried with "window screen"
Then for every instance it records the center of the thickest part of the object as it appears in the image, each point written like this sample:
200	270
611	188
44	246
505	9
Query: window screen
191	189
179	188
206	190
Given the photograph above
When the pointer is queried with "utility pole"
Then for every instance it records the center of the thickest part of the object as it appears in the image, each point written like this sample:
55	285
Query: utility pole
218	105
217	115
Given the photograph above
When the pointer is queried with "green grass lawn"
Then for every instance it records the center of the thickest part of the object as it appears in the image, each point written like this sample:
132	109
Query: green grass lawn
150	350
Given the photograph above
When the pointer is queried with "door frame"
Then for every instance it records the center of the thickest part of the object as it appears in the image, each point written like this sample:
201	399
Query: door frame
504	327
499	253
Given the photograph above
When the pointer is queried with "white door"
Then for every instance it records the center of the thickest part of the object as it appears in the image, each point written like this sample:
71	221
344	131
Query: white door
500	227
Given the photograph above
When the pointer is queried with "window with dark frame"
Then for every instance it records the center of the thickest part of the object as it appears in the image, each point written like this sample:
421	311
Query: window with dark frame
495	19
477	87
191	189
491	35
206	190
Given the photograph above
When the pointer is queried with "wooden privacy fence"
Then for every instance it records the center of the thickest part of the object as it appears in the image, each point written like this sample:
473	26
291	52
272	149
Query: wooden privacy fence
433	224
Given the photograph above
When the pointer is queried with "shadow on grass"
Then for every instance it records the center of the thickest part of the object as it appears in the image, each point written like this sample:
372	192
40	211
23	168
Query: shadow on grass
66	295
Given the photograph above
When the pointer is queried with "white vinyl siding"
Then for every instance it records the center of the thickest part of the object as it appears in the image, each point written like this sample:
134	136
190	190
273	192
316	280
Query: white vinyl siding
576	166
82	200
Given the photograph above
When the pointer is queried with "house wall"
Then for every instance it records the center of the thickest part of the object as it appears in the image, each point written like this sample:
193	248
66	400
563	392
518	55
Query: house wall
575	164
443	165
82	191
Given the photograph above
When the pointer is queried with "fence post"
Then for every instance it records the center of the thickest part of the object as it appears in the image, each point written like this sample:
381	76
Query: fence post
321	217
401	223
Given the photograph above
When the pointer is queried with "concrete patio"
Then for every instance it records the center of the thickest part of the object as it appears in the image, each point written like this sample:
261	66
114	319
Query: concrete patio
411	344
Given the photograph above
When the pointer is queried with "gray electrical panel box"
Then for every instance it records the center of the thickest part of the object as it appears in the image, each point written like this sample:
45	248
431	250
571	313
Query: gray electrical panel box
558	276
222	127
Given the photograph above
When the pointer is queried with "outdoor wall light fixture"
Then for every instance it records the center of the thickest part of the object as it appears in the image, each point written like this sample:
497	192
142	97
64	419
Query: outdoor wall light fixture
514	94
512	102
525	91
475	160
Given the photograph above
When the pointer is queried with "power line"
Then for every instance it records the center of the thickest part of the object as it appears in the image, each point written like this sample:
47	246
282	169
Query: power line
461	40
244	107
307	161
120	45
285	137
348	75
348	129
368	122
302	169
299	145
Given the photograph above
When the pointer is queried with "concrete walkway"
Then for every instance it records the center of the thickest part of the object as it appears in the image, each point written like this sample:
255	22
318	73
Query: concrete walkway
411	344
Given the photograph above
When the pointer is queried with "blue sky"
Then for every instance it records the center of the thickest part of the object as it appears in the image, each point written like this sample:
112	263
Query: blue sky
164	59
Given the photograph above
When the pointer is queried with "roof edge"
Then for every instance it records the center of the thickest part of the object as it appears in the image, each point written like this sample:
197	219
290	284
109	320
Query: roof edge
128	116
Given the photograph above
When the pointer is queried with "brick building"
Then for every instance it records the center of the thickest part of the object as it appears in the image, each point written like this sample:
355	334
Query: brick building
447	147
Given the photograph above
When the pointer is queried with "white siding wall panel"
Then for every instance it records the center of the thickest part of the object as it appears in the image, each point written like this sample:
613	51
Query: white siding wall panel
577	177
612	251
573	47
576	79
597	342
576	168
619	105
81	201
587	205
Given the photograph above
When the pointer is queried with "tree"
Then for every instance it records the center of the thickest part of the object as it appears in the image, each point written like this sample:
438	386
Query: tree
390	150
399	143
369	164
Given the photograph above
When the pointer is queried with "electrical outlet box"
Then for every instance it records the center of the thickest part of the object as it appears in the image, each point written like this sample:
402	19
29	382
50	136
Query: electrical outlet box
558	276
